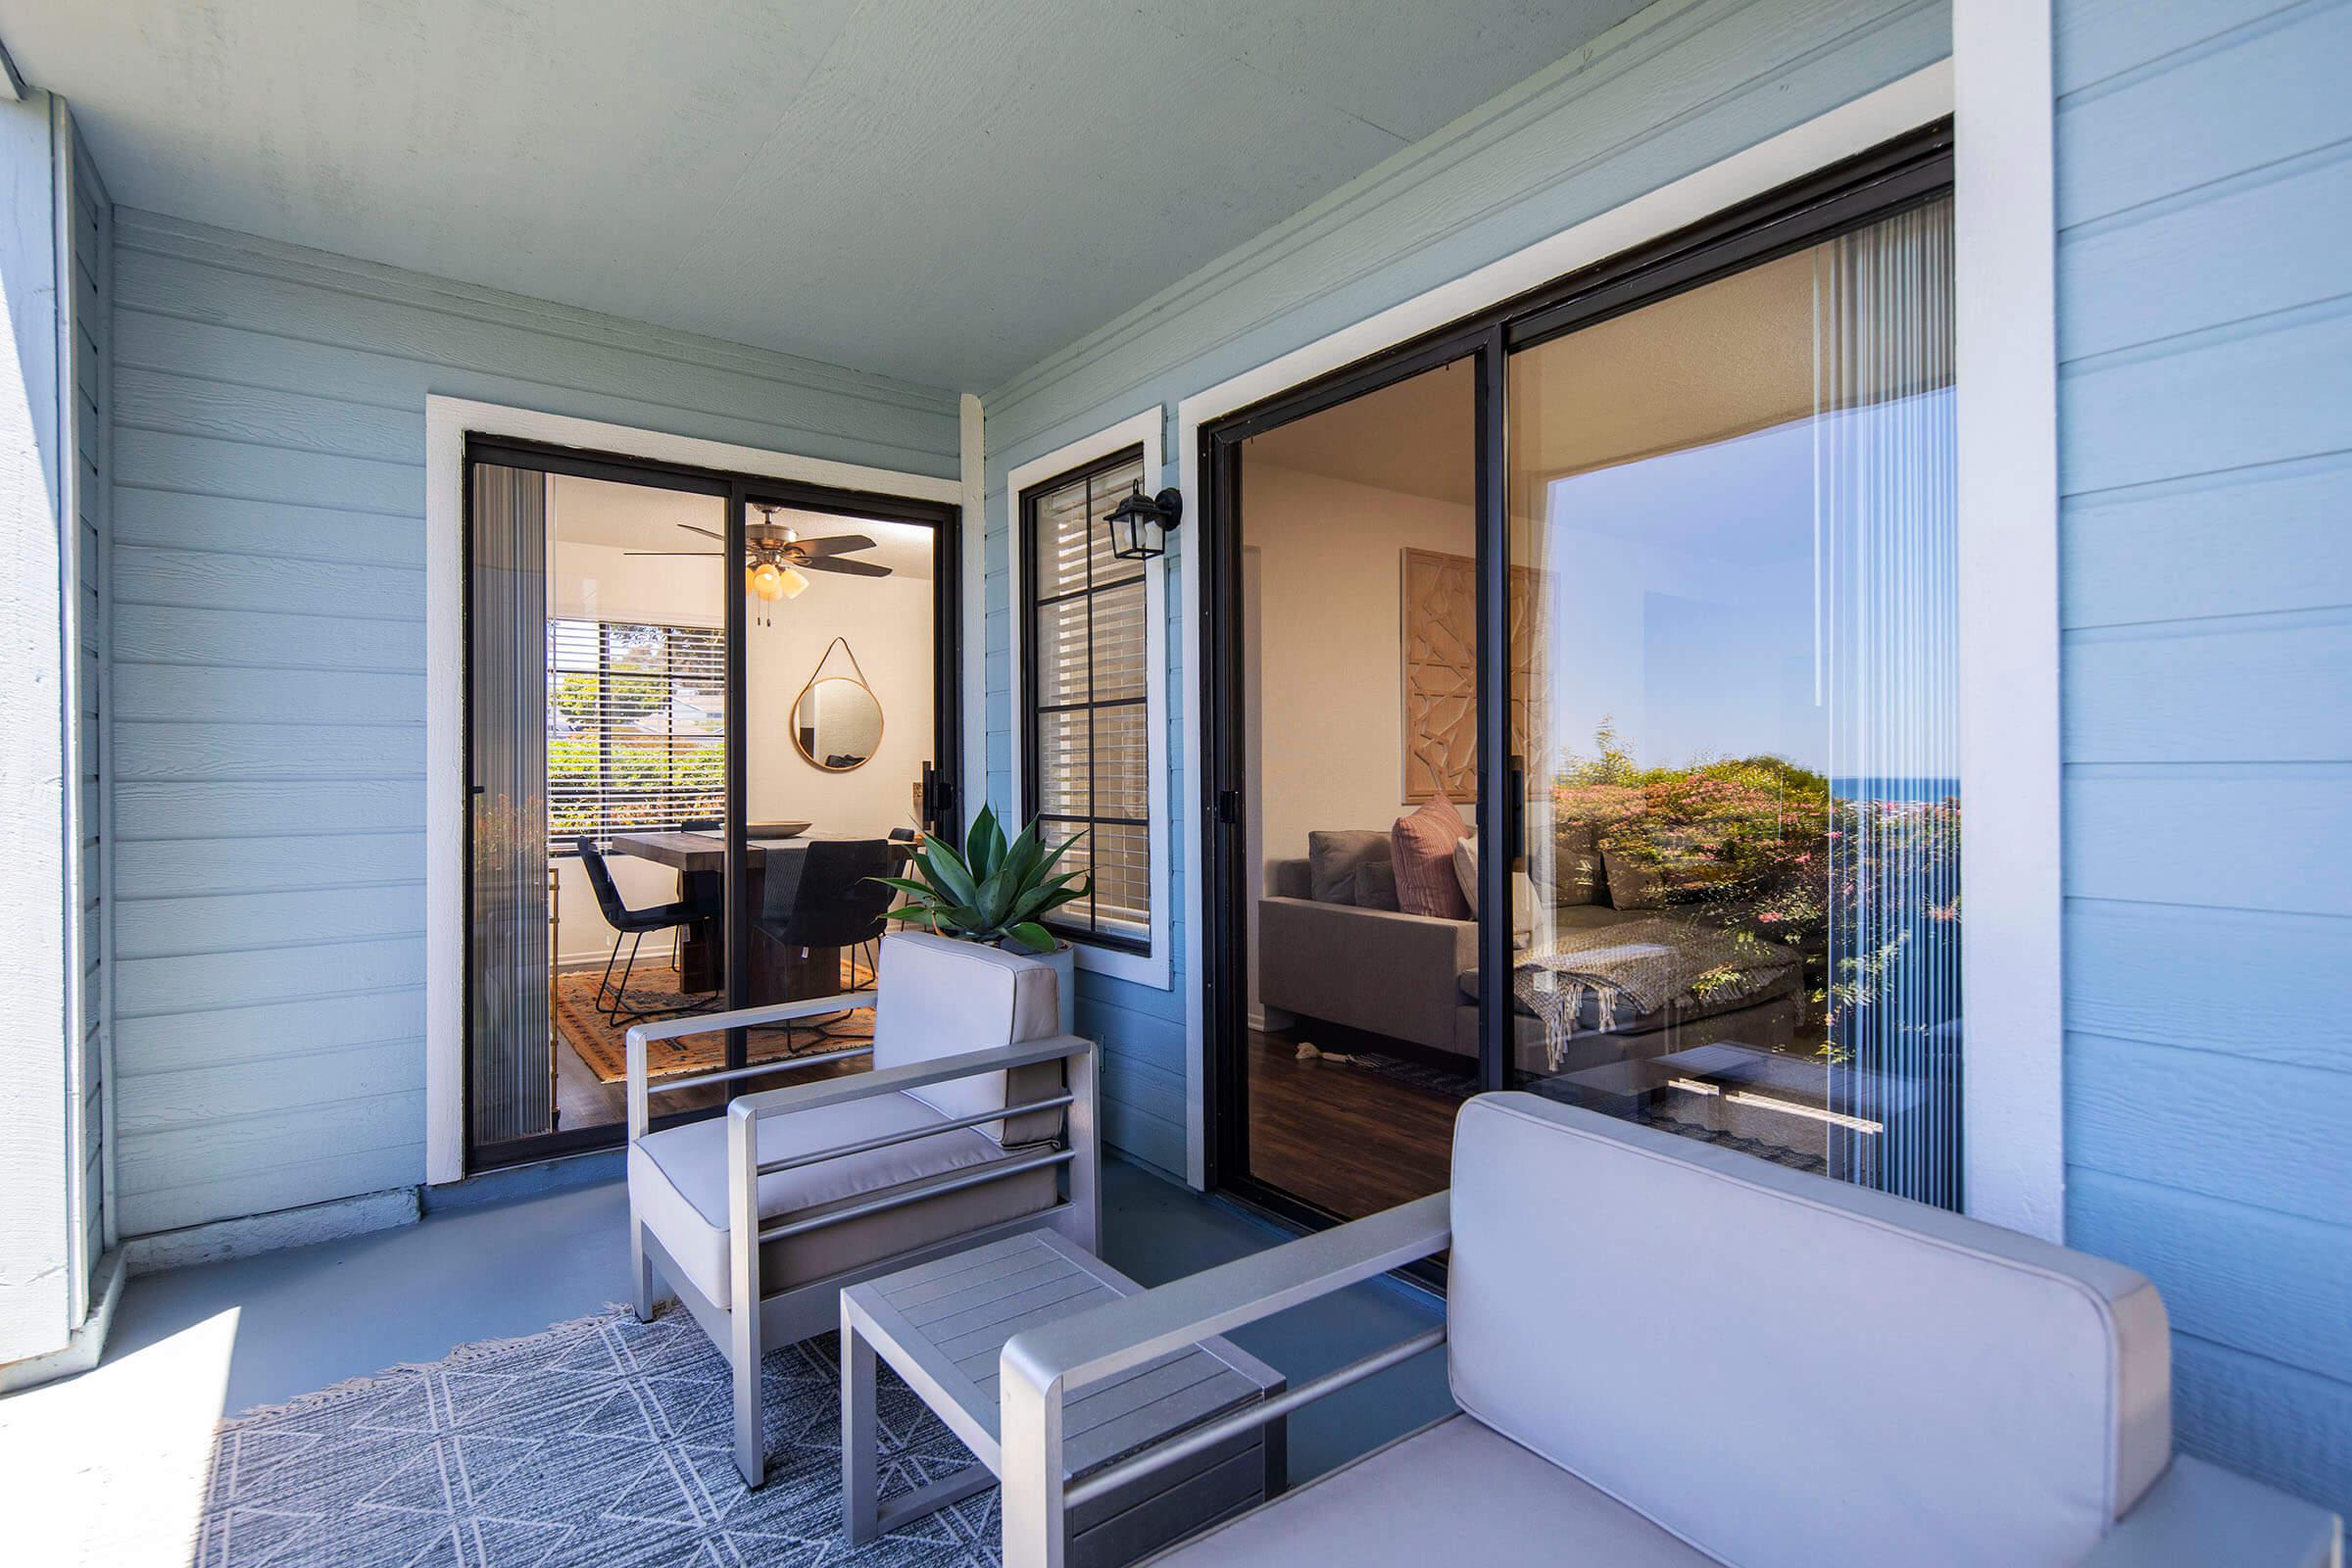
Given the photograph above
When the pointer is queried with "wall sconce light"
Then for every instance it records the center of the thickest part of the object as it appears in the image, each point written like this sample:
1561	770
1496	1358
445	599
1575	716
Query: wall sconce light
1139	526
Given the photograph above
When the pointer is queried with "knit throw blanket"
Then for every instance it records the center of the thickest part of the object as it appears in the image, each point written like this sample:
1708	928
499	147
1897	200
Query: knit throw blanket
1635	968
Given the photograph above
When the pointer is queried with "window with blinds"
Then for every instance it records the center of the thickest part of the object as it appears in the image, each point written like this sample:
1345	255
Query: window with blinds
1085	716
636	727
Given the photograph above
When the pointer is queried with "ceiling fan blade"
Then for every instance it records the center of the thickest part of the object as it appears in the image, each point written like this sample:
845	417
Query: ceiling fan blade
701	553
705	532
840	544
848	568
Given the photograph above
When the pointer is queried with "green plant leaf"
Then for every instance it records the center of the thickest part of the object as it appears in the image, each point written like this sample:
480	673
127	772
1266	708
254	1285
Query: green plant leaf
946	871
1034	936
993	899
1021	860
984	846
922	889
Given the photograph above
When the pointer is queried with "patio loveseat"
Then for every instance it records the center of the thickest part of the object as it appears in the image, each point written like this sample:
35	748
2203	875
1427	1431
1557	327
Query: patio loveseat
1666	1354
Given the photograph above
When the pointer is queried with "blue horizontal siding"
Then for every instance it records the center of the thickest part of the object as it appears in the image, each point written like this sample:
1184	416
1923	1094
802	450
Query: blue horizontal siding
2205	400
1680	85
267	596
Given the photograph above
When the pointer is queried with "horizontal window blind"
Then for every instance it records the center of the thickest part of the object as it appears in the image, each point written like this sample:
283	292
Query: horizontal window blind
1086	714
636	727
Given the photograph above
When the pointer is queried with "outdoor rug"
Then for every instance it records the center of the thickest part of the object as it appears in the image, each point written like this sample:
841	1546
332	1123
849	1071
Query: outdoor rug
603	1442
604	1045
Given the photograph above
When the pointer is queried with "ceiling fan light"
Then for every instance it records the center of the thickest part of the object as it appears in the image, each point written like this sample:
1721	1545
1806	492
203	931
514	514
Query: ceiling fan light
790	584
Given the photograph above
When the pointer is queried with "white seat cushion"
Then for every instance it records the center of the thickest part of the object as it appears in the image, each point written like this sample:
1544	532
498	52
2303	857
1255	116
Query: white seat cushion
679	1176
1455	1493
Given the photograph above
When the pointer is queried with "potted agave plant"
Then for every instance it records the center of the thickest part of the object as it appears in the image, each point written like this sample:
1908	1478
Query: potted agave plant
997	892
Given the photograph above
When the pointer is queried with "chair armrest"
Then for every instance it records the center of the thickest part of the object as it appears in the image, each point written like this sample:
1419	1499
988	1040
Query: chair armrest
1118	1335
638	1086
1039	1368
2198	1514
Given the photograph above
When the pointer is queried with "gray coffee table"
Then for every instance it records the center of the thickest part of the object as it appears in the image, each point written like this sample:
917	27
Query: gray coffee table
941	1325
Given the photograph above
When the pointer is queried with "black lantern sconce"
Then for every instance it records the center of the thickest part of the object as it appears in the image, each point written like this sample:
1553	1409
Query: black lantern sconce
1139	526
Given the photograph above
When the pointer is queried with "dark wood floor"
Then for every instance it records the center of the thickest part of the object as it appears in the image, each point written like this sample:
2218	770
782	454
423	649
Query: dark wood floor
1343	1136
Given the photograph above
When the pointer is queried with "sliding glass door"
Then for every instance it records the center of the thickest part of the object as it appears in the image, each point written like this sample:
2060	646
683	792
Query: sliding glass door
1690	692
1742	817
684	690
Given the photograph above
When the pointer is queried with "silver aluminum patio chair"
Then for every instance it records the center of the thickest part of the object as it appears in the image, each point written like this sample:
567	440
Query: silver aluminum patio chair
977	1120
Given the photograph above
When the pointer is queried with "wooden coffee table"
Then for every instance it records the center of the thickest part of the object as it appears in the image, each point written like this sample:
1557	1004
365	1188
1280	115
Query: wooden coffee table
941	1326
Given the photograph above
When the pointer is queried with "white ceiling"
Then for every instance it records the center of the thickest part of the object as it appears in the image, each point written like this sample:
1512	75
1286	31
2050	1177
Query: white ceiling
943	192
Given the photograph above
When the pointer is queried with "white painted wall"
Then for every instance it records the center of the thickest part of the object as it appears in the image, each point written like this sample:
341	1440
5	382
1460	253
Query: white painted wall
1325	684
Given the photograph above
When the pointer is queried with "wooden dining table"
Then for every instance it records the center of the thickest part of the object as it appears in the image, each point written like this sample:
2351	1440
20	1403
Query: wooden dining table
776	973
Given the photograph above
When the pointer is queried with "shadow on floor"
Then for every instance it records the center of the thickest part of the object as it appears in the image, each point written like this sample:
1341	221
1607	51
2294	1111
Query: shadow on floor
311	1317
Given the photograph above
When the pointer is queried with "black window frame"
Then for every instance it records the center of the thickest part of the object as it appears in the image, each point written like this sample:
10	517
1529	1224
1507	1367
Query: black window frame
1061	824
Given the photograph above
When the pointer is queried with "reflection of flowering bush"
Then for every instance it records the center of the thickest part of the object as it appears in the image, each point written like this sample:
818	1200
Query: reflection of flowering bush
1762	849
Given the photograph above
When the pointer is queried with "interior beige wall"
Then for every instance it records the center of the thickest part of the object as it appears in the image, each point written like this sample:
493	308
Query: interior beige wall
1324	682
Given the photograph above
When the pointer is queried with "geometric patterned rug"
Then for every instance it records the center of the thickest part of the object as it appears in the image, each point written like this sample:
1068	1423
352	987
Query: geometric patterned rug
604	1442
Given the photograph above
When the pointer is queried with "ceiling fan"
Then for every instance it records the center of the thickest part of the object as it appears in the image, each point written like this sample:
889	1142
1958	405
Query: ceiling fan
775	556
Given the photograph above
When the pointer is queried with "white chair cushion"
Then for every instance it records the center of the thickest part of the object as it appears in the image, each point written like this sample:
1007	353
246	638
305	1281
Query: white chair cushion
1786	1370
679	1176
1453	1494
942	997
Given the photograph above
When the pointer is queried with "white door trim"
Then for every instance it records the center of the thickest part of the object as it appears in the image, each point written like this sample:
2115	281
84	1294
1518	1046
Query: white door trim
2012	1072
2013	1101
1138	429
447	423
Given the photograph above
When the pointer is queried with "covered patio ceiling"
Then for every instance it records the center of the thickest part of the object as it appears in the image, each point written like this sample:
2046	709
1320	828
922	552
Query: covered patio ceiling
944	193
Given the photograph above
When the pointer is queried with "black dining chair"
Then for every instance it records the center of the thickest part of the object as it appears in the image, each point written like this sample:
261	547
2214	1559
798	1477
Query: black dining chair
824	895
632	926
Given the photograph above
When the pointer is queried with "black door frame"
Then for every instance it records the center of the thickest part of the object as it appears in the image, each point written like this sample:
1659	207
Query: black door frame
1906	171
942	814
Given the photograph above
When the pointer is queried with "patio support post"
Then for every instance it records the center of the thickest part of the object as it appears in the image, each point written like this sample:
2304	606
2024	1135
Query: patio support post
43	1272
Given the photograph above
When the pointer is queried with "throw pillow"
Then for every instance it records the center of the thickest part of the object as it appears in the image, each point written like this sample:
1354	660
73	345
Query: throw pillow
1575	865
1466	872
1375	885
1422	849
1634	884
1523	891
1334	860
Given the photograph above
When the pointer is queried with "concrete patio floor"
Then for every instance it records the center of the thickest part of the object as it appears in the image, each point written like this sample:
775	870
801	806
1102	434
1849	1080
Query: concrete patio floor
120	1454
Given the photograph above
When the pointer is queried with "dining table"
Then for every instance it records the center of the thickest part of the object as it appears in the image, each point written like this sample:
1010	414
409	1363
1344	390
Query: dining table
775	972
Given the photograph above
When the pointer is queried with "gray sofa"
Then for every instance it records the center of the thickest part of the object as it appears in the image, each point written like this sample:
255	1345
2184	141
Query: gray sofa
1415	978
1724	1362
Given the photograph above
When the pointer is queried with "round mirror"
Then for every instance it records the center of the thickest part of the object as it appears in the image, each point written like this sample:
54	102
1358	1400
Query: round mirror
837	724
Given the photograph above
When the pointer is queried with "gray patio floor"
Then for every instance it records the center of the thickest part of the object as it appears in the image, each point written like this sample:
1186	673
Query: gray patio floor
124	1444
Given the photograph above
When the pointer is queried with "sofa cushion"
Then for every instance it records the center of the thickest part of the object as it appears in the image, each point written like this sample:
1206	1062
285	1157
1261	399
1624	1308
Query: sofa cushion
1793	1369
1333	861
1423	843
1633	883
943	998
1454	1492
1523	891
1375	885
679	1186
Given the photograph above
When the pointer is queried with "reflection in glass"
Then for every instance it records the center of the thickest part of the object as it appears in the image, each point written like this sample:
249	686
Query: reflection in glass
1743	851
837	724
